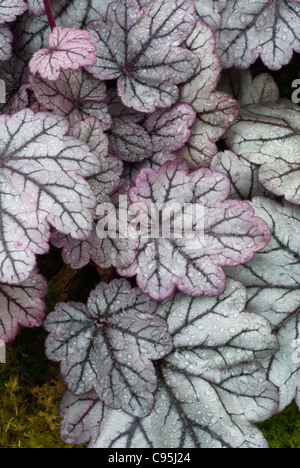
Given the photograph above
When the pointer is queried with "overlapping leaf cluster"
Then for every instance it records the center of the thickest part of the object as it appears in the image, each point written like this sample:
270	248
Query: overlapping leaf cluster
126	98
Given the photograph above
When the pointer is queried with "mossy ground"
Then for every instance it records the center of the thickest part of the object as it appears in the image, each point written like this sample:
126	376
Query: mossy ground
31	387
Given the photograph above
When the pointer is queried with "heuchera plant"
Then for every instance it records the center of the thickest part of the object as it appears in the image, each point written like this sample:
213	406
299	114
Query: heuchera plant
120	107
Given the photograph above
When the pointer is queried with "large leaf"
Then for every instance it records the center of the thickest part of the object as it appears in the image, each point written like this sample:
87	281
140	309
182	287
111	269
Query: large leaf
210	11
109	345
260	28
267	134
272	281
243	175
169	130
128	140
32	33
10	9
227	235
21	305
148	70
214	110
210	389
76	95
41	173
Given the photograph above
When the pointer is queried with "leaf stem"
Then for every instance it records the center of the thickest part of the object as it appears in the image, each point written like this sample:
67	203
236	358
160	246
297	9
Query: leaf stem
49	14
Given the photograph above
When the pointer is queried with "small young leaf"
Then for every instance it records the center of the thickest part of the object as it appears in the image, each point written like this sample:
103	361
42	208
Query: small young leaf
82	416
70	49
150	68
210	389
21	305
248	90
109	344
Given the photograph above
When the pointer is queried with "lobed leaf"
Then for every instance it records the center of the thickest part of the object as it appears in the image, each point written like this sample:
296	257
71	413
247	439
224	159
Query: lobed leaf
272	282
228	235
109	345
10	9
248	90
70	49
6	39
265	29
150	68
215	111
210	391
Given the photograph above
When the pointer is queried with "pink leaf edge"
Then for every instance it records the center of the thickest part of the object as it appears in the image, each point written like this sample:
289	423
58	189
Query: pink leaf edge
70	49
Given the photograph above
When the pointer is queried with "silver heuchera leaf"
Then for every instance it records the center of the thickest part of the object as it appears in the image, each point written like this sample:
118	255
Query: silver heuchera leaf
104	251
150	68
10	9
272	282
6	39
224	232
109	345
82	416
210	11
248	90
265	29
76	95
243	175
210	389
169	130
36	7
127	140
32	32
214	110
21	305
14	74
42	184
267	134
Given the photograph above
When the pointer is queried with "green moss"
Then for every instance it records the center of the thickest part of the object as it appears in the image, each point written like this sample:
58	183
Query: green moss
283	430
